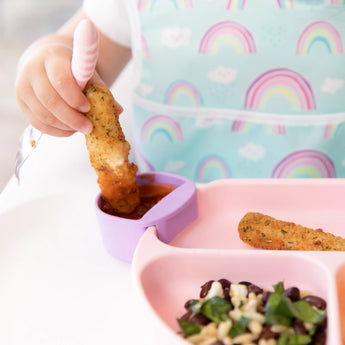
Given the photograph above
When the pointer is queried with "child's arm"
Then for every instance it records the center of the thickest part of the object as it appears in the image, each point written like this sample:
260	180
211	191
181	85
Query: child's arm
46	90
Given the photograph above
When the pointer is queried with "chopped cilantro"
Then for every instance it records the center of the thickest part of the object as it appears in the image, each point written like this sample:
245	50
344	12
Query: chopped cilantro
278	310
306	313
215	308
196	307
294	339
239	327
283	339
299	339
279	288
188	328
281	310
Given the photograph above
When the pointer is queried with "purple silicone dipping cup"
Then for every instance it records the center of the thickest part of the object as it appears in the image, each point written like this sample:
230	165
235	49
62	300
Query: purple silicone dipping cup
170	216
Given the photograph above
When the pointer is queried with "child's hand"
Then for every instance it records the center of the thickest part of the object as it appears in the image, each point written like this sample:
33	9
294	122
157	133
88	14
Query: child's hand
47	92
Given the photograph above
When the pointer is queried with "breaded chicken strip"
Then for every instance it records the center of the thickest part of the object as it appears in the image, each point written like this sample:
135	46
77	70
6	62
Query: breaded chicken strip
261	231
109	150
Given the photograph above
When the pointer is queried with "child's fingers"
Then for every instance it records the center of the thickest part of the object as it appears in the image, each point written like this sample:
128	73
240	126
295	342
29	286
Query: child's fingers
60	76
42	114
43	127
119	108
56	105
48	94
34	111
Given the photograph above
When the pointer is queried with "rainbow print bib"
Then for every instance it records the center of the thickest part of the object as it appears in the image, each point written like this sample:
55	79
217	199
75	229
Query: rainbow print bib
240	88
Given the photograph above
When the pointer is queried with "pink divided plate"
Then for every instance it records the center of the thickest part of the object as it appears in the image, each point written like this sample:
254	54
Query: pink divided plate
167	275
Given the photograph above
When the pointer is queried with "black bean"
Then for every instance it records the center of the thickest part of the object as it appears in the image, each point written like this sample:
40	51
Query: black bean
186	316
266	333
316	301
253	288
218	342
205	288
189	303
265	297
298	327
323	323
226	292
244	282
319	338
199	319
293	293
225	283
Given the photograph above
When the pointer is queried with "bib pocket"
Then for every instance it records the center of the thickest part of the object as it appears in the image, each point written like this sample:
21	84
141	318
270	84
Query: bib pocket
205	144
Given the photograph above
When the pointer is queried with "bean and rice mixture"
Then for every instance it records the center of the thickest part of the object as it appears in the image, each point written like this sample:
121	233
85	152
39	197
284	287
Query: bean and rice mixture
245	314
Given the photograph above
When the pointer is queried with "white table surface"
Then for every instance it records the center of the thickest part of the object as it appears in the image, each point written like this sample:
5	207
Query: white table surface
58	285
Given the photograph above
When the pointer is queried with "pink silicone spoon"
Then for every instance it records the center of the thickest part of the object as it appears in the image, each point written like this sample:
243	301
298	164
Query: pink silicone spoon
85	52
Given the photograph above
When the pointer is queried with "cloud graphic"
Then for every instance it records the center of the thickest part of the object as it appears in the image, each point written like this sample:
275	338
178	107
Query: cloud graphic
174	166
176	37
145	89
222	75
252	151
331	85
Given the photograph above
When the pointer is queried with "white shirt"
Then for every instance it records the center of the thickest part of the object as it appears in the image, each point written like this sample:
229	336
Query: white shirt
111	18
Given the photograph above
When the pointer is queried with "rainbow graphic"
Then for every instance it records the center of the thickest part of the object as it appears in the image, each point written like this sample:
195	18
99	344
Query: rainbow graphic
240	126
275	129
227	32
146	5
243	126
305	163
323	32
284	82
161	124
183	4
182	89
332	129
287	4
235	5
337	2
212	166
145	48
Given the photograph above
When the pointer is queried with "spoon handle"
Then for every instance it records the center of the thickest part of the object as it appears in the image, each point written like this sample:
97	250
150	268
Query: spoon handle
85	52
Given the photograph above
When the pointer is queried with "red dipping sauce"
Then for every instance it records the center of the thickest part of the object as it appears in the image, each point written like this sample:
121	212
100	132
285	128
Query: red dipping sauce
150	195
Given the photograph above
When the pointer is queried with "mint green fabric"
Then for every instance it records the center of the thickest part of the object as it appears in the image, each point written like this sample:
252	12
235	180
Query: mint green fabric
241	88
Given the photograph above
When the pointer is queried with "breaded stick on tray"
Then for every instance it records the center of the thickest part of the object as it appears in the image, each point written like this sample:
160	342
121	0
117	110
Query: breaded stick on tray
109	150
261	231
